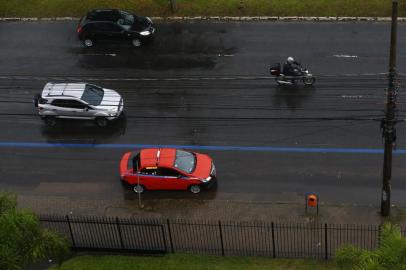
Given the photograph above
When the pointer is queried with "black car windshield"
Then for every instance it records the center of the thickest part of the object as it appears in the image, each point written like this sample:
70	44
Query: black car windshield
126	18
93	94
185	161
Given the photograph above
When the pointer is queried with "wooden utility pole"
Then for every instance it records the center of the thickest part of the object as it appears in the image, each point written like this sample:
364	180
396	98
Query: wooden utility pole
388	124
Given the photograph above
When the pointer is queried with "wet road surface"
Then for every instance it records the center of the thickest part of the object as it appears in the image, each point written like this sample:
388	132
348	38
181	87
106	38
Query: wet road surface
206	84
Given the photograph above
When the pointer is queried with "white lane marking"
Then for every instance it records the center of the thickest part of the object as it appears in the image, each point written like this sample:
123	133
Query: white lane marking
22	77
28	77
345	56
352	97
100	54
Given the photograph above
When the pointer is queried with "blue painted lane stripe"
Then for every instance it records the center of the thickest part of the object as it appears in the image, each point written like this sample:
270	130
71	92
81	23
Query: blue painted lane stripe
201	147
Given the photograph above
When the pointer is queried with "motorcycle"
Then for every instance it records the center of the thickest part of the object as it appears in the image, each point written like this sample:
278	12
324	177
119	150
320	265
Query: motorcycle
282	79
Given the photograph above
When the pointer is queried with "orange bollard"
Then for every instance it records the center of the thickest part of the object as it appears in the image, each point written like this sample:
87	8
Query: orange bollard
312	200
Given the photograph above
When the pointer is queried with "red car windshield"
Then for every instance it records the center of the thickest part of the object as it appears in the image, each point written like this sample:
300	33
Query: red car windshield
185	161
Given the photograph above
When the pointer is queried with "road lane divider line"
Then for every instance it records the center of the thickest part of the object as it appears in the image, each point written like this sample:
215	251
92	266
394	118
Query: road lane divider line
345	56
212	78
227	18
277	149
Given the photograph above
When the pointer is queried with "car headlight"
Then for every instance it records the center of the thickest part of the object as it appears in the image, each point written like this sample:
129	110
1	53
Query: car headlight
206	180
145	33
213	170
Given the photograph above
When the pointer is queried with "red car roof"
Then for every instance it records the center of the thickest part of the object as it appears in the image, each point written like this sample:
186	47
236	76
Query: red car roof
150	157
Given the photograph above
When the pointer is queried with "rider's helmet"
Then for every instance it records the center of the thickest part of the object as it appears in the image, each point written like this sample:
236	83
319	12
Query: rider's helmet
290	60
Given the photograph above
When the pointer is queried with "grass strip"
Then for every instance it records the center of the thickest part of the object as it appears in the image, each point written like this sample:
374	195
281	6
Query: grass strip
187	262
77	8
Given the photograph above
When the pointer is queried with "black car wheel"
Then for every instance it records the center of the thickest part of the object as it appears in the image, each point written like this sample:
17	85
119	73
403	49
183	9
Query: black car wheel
195	189
136	42
50	121
87	42
138	188
101	121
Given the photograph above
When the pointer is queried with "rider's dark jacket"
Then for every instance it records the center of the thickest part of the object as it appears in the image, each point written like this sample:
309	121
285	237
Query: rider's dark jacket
292	69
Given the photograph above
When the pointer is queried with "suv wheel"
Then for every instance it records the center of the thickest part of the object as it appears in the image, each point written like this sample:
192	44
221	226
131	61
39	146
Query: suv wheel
136	42
50	121
87	42
101	121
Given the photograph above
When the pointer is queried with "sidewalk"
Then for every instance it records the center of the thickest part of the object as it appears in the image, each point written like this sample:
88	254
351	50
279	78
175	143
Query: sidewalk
290	212
211	210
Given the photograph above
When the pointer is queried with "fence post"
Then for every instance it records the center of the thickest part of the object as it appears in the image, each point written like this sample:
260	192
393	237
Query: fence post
119	233
170	234
71	233
161	224
221	239
325	242
273	241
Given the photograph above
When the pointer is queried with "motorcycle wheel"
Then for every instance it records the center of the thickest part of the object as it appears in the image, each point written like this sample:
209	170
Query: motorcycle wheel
309	80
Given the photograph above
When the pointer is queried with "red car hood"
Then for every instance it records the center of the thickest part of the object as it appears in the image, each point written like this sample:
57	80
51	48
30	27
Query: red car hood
203	166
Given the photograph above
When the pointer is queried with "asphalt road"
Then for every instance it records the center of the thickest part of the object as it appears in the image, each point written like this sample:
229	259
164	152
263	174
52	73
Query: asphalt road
206	84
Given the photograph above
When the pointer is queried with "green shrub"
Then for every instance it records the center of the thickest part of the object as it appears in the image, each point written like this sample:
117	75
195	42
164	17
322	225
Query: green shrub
349	256
391	253
392	250
22	240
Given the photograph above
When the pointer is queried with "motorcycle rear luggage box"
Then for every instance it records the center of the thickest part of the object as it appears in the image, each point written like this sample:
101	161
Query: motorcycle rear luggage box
275	69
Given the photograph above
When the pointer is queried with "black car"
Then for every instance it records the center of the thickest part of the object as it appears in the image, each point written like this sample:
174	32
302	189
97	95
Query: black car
113	25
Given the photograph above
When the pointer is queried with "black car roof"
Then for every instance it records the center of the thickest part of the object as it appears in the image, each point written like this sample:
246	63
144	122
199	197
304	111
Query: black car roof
92	15
103	10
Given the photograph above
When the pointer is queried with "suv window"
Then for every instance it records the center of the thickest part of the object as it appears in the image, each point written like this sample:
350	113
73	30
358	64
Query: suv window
68	103
76	104
60	103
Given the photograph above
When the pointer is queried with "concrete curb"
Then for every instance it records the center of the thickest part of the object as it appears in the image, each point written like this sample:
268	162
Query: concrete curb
227	18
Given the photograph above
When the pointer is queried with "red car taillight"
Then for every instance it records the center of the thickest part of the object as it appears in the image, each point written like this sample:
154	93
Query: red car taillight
80	29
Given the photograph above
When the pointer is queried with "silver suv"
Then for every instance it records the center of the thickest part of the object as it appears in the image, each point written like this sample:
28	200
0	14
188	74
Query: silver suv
78	101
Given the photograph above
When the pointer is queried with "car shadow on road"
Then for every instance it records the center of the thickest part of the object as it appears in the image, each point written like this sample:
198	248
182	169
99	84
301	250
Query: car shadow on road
209	194
74	131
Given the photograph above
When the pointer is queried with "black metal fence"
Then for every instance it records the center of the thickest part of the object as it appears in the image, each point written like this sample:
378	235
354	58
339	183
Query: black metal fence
273	239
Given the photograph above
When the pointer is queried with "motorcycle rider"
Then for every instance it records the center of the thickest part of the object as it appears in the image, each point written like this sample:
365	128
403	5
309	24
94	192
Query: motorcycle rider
291	67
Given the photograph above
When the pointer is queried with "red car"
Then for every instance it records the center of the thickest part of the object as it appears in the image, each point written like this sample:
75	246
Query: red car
167	169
